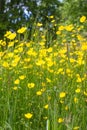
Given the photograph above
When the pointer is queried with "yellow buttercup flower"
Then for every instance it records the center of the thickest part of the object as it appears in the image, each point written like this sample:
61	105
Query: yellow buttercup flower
17	81
15	88
39	24
75	100
76	128
83	19
22	30
69	27
60	120
28	115
85	93
51	16
62	94
58	32
61	28
39	93
46	106
22	77
77	90
12	36
5	64
31	85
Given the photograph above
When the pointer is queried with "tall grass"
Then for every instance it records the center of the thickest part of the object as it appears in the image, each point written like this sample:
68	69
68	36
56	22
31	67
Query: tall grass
44	88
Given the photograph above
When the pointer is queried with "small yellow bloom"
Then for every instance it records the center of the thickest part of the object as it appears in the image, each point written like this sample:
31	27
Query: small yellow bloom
85	93
76	100
58	32
66	108
39	93
76	128
7	33
77	90
17	81
48	80
61	101
51	16
42	43
46	106
69	27
12	36
10	44
15	87
22	77
62	94
39	24
31	85
61	28
5	64
83	19
21	30
60	120
28	115
53	21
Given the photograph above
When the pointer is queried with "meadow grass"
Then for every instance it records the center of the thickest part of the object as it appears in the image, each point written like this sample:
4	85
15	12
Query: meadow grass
44	88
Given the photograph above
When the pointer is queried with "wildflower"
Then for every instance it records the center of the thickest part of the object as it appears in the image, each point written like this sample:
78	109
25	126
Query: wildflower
76	128
39	24
61	101
51	16
43	89
17	81
53	21
66	108
58	32
7	33
3	43
40	62
85	93
42	43
77	90
48	80
60	70
50	49
21	30
10	44
22	77
49	98
62	94
46	106
78	78
79	37
10	54
76	100
28	115
5	64
60	120
15	88
61	28
31	85
43	84
39	93
12	36
83	19
50	63
69	27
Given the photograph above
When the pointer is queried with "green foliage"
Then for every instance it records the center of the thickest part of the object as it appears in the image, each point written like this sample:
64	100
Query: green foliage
13	16
72	10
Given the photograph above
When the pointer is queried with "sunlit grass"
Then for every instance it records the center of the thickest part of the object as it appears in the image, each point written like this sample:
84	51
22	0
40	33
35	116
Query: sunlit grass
41	87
